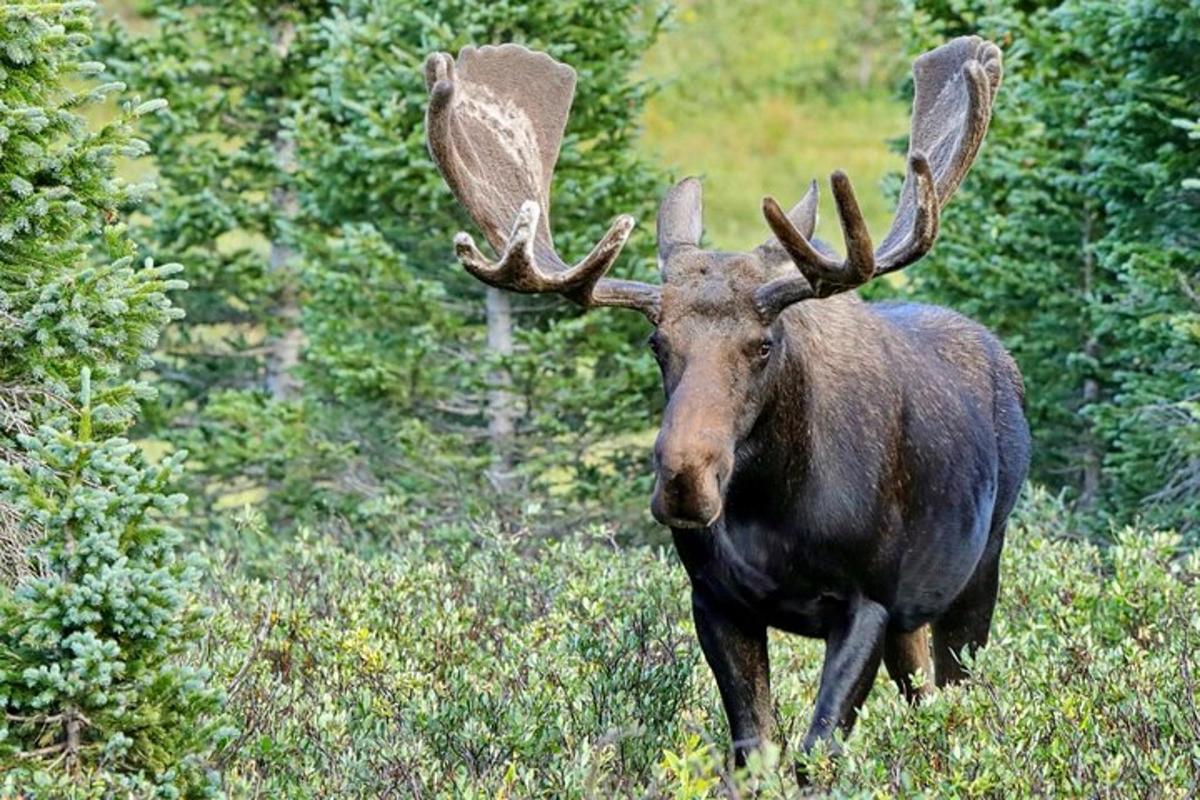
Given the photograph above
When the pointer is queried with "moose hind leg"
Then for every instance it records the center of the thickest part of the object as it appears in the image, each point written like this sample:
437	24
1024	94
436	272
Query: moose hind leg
965	626
736	651
853	650
906	654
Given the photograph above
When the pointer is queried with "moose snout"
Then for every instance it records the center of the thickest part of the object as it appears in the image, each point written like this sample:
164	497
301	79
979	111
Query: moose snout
689	480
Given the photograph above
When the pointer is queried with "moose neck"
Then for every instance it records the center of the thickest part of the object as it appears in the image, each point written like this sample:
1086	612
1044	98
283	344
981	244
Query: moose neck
812	413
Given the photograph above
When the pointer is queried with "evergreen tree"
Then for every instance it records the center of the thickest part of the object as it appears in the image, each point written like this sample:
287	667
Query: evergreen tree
1075	238
95	603
410	394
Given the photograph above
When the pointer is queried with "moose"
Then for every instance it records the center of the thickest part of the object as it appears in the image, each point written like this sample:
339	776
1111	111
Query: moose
828	467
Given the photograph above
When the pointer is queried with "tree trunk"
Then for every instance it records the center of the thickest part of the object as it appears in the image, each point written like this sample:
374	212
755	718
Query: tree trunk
286	344
73	726
1089	490
501	403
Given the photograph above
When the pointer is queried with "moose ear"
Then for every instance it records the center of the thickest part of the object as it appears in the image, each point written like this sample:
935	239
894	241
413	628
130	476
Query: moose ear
803	216
680	218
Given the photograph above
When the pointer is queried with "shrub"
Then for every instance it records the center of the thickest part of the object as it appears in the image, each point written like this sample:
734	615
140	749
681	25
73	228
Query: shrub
471	664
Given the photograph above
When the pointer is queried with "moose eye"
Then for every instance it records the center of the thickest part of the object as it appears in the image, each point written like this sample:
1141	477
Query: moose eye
764	348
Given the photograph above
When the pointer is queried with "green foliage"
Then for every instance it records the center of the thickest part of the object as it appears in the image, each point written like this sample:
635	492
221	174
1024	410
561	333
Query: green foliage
92	642
466	663
1075	238
95	607
390	647
761	97
311	156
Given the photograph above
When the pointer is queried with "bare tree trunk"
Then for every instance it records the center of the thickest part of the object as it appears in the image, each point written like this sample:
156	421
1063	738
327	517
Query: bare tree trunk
866	66
868	23
501	403
1089	491
74	738
283	349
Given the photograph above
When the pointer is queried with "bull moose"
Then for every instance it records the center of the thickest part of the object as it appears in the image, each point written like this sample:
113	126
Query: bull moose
829	467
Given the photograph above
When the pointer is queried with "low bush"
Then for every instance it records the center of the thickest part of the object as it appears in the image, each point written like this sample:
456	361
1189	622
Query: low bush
471	664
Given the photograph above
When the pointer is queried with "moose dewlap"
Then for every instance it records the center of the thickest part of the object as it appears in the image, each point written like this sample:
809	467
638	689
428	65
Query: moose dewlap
834	468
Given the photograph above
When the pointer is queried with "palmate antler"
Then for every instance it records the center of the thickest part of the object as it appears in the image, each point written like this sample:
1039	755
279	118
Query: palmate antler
494	126
954	88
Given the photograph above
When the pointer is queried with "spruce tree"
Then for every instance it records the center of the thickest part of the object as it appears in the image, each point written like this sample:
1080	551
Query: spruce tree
399	389
1075	238
95	601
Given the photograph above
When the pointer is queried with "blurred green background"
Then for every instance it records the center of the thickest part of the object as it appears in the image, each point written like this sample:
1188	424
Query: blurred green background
416	557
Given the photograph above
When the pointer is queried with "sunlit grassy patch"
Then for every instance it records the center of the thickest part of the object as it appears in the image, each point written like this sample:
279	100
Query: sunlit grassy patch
753	98
776	146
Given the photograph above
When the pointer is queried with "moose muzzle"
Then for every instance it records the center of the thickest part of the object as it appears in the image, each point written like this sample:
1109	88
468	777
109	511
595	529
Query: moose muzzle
693	459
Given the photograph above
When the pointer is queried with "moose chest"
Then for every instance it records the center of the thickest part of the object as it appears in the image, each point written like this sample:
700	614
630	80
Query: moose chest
790	580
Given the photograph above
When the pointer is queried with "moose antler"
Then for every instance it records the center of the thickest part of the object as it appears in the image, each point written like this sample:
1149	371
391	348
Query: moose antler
494	126
954	88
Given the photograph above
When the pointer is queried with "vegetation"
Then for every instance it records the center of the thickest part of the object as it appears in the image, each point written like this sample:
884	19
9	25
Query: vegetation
95	603
470	663
1076	239
332	343
744	106
419	561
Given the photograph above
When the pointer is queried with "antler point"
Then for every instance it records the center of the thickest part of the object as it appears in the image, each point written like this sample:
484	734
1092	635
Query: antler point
526	222
439	68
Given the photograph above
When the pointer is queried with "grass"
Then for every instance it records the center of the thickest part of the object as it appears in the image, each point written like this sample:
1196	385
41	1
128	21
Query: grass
750	105
776	147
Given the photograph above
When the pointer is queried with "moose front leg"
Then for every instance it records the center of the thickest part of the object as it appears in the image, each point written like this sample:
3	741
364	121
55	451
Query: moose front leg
736	651
853	649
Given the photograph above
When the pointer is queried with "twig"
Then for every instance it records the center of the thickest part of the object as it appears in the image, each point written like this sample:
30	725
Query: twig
260	638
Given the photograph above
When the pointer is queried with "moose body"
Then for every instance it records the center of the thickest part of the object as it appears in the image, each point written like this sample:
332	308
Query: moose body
828	467
868	500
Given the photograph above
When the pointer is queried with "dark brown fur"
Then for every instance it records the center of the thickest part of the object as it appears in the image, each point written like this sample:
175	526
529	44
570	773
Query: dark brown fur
860	476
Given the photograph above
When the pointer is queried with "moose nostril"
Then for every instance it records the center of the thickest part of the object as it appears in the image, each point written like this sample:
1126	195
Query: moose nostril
688	499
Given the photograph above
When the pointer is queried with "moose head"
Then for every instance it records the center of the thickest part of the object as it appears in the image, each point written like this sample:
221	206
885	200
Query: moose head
495	123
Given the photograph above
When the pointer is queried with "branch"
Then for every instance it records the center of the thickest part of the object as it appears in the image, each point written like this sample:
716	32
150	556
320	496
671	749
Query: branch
264	630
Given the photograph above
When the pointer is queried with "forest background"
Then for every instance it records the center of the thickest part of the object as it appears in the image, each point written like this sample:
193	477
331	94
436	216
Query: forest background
382	528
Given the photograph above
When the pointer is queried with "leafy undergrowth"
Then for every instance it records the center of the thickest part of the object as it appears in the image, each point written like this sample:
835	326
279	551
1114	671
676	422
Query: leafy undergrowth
467	664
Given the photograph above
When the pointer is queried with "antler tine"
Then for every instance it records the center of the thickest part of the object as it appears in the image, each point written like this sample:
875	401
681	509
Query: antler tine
825	274
979	114
517	269
955	87
494	126
925	224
